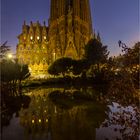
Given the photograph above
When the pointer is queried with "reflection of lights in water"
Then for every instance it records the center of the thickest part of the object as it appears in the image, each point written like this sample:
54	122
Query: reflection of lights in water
33	121
54	55
37	37
55	111
78	112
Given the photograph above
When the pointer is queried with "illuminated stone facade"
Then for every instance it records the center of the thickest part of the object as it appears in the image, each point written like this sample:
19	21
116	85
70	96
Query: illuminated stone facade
69	29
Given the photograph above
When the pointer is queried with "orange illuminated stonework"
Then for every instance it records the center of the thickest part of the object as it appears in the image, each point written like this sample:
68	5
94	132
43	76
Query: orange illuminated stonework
69	29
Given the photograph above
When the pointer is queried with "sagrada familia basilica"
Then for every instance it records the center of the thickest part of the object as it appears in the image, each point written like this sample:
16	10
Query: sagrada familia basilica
69	29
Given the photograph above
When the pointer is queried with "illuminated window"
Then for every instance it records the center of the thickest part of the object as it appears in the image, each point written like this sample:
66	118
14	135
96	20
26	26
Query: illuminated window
33	121
37	37
39	120
31	38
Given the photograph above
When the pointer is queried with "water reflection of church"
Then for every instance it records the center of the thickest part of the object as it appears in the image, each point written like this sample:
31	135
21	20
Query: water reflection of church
68	30
43	119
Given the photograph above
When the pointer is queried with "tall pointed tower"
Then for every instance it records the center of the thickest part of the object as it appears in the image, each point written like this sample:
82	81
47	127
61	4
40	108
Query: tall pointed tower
70	27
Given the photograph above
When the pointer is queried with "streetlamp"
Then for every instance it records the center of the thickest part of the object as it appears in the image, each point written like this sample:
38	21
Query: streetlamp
10	56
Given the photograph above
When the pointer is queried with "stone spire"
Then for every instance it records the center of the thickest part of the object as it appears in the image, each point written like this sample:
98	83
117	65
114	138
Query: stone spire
72	18
24	28
98	37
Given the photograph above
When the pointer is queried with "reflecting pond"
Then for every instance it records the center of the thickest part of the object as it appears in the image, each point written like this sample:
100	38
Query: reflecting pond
68	114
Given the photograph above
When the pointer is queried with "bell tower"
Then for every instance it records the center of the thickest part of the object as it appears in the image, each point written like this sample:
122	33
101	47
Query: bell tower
70	27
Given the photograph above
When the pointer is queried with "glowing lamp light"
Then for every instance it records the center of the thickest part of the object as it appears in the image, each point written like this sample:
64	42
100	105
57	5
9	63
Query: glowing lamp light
54	55
33	121
9	56
31	38
45	37
37	37
46	120
39	120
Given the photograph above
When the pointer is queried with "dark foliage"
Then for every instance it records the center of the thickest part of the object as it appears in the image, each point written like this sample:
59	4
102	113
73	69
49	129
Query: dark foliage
13	72
79	66
4	49
60	66
12	105
131	57
95	52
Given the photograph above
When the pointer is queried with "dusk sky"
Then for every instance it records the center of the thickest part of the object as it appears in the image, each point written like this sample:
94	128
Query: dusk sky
114	19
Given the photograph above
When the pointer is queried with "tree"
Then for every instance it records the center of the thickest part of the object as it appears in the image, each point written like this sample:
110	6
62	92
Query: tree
22	72
7	71
131	61
79	66
11	71
95	52
60	66
3	50
131	57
